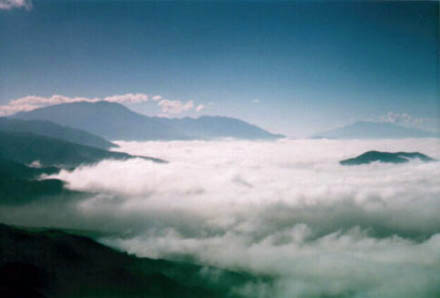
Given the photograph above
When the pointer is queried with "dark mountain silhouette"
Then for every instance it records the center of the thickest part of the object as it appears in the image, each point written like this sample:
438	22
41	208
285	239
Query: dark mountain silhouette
49	129
116	122
51	263
375	130
26	148
387	157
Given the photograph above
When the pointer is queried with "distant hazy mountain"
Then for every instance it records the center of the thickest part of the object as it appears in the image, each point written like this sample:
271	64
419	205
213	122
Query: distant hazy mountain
26	148
374	130
387	157
47	263
207	127
116	122
49	129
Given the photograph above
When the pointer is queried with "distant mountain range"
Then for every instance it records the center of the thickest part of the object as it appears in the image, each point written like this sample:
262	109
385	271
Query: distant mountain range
46	263
375	130
49	129
26	148
116	122
386	157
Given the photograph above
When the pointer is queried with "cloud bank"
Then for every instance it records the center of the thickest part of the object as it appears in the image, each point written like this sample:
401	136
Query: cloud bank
283	209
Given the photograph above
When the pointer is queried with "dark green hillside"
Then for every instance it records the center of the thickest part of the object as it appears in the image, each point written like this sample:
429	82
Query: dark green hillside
26	148
18	184
51	263
15	191
12	169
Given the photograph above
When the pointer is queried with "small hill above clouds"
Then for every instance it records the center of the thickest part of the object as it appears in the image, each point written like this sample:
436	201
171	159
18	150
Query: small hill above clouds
50	129
116	122
374	130
386	157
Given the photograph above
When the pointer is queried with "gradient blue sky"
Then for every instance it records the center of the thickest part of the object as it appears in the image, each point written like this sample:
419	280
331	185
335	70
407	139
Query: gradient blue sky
294	67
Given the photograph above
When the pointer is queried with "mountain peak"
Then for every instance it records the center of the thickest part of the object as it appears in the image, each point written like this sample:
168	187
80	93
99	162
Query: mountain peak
117	122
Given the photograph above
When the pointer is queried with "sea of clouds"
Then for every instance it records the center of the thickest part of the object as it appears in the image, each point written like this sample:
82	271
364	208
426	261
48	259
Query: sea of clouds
285	209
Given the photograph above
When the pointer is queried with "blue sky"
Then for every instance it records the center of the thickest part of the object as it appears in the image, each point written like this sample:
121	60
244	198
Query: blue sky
293	67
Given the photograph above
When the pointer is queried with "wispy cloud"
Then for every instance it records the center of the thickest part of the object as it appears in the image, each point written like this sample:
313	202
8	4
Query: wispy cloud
128	98
256	100
32	102
392	117
408	120
199	108
11	4
175	106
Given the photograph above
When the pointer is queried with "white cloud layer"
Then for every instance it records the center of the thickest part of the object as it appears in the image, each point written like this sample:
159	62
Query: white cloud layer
11	4
285	209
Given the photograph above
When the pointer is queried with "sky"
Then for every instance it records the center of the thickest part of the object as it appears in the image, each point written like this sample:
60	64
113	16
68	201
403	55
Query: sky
292	67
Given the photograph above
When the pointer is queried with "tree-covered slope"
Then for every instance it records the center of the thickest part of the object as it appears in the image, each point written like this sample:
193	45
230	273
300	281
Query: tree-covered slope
51	263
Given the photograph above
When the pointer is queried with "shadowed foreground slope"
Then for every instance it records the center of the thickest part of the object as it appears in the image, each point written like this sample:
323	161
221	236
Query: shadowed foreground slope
52	263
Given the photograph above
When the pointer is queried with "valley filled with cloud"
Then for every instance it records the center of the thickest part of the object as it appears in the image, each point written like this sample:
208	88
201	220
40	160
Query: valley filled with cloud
285	210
